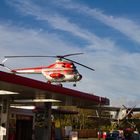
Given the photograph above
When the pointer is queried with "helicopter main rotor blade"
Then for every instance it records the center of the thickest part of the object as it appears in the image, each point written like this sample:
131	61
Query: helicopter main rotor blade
57	56
20	56
79	64
69	55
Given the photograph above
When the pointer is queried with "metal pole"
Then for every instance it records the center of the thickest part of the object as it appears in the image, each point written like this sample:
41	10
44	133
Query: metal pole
99	127
48	121
43	123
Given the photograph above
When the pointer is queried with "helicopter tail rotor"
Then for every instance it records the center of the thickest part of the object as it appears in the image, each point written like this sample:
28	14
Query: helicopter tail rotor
2	64
3	61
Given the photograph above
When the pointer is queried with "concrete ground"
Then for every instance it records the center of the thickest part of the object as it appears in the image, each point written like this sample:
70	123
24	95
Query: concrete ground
84	139
89	139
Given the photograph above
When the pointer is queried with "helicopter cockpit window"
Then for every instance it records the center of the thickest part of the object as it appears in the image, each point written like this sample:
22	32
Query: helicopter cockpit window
73	66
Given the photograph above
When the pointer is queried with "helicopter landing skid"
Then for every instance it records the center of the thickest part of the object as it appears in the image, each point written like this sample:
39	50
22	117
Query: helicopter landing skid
74	85
57	84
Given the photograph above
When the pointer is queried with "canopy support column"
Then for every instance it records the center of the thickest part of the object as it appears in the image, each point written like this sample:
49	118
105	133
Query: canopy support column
43	123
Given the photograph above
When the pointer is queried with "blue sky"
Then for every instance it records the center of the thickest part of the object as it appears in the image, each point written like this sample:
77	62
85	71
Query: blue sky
107	32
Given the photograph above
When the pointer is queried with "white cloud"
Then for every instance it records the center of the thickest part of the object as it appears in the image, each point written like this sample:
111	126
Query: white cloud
15	40
117	72
105	81
126	26
62	23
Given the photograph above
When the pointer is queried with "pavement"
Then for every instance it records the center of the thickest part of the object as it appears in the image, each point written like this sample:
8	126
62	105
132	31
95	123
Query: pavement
89	139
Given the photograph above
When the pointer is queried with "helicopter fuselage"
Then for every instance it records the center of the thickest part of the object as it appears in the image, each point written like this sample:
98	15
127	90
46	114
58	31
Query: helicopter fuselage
60	71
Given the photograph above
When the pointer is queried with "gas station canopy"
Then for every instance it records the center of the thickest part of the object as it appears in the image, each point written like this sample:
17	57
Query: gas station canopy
30	89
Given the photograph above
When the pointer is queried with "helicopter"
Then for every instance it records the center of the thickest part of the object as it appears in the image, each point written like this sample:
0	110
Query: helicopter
62	70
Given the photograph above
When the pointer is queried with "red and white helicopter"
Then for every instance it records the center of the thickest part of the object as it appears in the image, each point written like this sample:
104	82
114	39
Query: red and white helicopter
63	70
